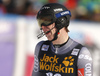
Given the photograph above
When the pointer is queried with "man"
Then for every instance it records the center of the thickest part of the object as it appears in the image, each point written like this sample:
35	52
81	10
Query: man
59	55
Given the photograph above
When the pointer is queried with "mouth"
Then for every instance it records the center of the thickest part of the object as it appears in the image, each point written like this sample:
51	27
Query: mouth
47	32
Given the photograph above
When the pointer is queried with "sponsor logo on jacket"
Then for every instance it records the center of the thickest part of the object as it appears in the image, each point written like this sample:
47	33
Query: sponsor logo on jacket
51	64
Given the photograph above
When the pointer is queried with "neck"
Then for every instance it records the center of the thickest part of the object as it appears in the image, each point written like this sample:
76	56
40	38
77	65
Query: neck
62	38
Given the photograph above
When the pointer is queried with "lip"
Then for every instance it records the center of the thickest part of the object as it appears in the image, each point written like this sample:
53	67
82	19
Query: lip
47	32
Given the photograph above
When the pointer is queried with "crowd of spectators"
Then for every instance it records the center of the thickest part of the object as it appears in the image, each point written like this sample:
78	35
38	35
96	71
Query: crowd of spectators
88	10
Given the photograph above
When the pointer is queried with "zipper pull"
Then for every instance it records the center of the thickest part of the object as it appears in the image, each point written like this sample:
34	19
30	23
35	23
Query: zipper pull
56	50
56	47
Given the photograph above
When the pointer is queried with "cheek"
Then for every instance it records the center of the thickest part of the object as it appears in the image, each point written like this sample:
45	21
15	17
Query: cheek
54	31
52	26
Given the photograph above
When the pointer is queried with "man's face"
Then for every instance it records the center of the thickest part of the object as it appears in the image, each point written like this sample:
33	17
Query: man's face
51	34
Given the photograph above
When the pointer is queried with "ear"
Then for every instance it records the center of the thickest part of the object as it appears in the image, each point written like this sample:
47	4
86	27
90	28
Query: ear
61	22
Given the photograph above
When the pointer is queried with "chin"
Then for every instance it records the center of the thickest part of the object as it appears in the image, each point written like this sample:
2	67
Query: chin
49	38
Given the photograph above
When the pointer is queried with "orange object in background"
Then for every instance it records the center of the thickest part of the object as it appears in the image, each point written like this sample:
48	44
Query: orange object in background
71	4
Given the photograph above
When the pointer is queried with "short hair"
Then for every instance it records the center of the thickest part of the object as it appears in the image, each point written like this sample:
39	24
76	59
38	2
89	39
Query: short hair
66	28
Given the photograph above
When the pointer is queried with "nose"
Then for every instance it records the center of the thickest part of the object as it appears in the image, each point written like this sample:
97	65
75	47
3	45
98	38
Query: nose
43	27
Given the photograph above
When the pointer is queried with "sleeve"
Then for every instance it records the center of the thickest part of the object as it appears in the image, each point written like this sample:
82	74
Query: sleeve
35	71
85	64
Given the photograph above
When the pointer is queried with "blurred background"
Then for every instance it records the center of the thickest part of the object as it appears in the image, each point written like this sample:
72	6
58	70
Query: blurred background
19	30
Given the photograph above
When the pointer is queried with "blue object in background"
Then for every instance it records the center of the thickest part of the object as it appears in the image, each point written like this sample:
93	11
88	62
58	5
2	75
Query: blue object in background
7	45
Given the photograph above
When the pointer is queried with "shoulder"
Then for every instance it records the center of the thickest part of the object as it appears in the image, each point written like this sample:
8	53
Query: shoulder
38	46
84	50
85	54
75	44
